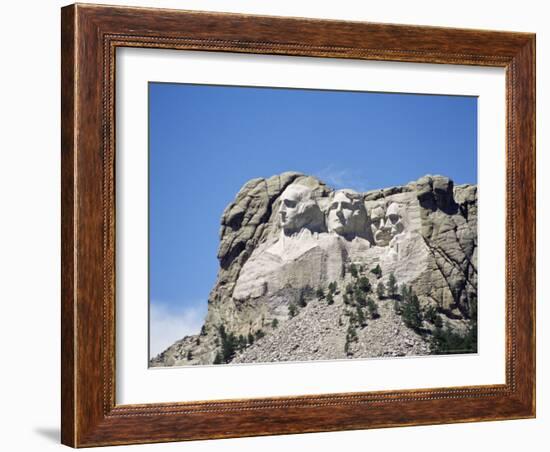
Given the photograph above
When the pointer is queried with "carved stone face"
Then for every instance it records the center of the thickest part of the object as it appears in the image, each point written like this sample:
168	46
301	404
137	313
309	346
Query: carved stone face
386	224
346	214
298	211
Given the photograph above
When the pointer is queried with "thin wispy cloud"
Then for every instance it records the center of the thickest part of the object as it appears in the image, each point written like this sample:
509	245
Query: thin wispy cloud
343	178
167	324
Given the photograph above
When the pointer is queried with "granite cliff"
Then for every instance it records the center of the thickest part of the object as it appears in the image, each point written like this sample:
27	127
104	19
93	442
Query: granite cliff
307	272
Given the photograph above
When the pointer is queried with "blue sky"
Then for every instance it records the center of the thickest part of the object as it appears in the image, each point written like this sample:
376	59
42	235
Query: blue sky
205	142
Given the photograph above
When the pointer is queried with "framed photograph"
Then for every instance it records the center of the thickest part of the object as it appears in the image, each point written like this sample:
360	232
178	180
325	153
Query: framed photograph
281	225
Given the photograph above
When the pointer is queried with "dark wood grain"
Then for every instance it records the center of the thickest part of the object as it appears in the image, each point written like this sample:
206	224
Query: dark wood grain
67	224
90	36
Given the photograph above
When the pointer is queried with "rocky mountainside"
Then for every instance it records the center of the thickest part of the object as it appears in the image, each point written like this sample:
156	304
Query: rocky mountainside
308	273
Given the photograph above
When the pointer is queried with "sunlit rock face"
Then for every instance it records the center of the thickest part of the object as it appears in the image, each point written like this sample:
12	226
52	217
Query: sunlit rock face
299	211
284	237
346	214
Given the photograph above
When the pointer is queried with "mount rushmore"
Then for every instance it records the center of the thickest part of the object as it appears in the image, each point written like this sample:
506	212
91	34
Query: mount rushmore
307	273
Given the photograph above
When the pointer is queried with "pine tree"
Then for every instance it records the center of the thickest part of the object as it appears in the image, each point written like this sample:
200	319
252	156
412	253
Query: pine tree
302	300
320	293
373	309
431	314
392	286
472	306
377	271
364	284
351	334
353	270
403	291
330	298
274	323
229	346
241	343
218	358
292	310
345	298
412	315
189	355
380	290
360	297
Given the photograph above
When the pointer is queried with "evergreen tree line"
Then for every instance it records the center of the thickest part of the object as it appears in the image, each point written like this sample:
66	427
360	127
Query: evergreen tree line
231	344
362	306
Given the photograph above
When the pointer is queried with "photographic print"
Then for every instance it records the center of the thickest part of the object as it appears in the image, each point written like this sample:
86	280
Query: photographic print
301	224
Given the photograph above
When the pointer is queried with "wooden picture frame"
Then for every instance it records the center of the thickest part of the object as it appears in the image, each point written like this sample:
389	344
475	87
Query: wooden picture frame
90	36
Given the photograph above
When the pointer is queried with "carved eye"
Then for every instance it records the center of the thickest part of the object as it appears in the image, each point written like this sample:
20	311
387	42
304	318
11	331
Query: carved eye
393	218
290	203
347	205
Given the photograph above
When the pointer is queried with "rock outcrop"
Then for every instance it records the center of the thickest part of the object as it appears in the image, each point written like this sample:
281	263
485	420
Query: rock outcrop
294	256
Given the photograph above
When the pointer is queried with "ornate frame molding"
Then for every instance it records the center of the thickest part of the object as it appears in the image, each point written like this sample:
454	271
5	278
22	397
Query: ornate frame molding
90	36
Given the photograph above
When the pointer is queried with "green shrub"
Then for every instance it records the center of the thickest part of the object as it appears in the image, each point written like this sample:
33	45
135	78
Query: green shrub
380	290
430	314
445	341
472	306
364	284
360	297
351	336
274	323
404	292
229	347
377	271
391	286
241	342
330	298
353	270
292	310
320	293
373	309
333	287
412	315
302	300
